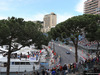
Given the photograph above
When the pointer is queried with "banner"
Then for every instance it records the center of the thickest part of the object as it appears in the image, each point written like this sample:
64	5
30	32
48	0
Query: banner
32	58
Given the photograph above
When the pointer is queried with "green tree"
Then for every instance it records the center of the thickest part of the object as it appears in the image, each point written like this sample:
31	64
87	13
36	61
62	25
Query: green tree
98	37
15	32
72	28
42	40
57	32
92	30
52	33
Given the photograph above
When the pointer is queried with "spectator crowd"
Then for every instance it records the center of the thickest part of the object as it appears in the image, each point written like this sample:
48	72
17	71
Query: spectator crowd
82	66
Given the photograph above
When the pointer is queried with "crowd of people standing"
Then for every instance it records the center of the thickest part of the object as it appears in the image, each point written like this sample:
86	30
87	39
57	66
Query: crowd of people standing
73	68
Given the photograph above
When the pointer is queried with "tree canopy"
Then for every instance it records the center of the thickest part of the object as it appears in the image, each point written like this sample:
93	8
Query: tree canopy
16	31
92	30
73	27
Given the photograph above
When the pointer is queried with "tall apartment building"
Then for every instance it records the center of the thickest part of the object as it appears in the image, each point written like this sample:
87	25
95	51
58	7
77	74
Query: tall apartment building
50	20
92	7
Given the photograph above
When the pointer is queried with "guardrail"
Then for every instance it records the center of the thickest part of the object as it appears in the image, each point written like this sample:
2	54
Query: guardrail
86	47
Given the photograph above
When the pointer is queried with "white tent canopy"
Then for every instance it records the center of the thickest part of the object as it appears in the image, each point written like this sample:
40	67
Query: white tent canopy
2	49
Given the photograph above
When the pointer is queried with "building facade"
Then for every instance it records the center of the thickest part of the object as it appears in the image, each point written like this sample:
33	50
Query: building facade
92	7
50	20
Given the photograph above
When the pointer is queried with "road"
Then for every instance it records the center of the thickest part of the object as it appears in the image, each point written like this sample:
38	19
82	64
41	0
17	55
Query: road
65	58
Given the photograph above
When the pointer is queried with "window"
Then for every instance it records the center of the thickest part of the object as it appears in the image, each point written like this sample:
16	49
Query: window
12	63
27	63
5	64
36	63
22	63
17	63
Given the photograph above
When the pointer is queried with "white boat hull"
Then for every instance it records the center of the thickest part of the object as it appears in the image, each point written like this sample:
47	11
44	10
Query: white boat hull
19	68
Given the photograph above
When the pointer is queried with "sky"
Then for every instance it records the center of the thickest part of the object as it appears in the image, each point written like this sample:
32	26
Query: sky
36	9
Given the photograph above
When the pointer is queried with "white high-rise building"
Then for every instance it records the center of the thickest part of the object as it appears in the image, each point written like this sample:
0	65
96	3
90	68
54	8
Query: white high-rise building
92	7
50	20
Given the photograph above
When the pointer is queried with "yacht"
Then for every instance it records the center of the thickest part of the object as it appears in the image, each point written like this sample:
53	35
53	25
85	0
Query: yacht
20	63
